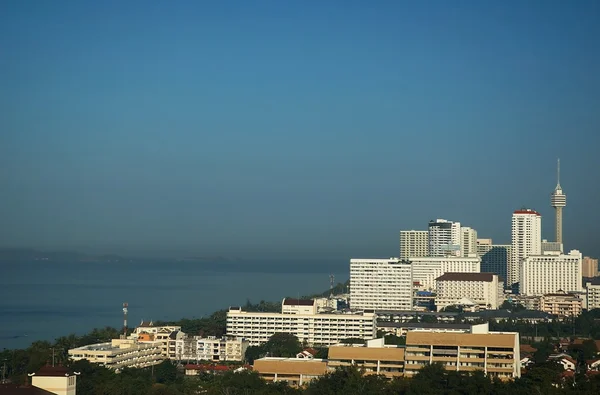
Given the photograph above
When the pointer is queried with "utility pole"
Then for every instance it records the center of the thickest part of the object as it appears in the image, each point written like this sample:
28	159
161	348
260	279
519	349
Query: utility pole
4	372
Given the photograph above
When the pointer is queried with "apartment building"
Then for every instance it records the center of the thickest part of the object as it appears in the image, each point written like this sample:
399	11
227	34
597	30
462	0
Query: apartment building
561	304
494	257
147	331
444	238
120	353
592	291
414	243
526	241
468	241
496	353
384	284
296	372
215	349
484	290
374	357
314	329
544	274
589	267
426	269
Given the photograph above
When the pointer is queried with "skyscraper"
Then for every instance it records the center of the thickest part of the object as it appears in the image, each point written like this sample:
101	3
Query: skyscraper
558	200
494	257
526	240
468	241
414	243
444	238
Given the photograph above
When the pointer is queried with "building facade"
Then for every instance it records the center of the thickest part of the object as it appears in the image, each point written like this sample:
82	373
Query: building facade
468	241
426	270
444	238
315	329
494	258
213	349
414	243
383	284
551	247
544	274
561	304
296	372
526	241
120	353
589	267
592	294
373	357
484	289
55	379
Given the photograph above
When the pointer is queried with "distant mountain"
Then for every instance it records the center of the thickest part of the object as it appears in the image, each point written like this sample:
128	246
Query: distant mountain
28	254
210	259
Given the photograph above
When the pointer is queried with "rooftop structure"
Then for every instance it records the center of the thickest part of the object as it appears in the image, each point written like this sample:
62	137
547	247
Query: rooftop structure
558	200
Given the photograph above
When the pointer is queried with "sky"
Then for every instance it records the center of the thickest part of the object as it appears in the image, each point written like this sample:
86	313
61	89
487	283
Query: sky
303	129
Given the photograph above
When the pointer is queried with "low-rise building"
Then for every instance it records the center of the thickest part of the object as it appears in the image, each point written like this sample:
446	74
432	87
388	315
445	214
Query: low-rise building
486	290
295	371
120	353
413	315
148	332
402	328
314	329
55	379
592	293
197	348
373	357
564	360
562	304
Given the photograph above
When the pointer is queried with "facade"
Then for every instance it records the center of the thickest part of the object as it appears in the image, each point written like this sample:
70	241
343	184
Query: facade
214	349
551	247
120	353
298	306
55	379
494	258
296	372
561	304
483	246
426	270
444	238
314	329
374	357
414	243
147	331
485	290
496	353
558	200
543	274
468	241
384	284
402	328
526	241
592	293
589	267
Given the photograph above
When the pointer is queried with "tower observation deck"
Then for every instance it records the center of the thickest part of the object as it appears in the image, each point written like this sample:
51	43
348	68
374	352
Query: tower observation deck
558	200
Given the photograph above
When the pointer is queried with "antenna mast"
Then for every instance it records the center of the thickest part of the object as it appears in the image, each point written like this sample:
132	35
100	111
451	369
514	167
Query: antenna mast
125	306
331	281
558	173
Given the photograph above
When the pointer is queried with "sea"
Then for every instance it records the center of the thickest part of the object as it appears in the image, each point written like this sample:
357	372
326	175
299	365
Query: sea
43	300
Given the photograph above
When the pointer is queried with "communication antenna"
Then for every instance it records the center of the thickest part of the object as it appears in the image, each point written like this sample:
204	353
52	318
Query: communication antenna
125	306
331	281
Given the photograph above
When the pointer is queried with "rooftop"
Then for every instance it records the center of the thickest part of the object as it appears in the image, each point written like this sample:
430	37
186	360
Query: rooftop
15	389
53	371
425	325
487	277
527	211
298	302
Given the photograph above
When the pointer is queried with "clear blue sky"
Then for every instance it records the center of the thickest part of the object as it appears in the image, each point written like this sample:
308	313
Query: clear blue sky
304	128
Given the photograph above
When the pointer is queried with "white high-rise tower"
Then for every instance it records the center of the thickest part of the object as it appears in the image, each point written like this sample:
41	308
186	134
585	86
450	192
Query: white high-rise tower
558	200
526	241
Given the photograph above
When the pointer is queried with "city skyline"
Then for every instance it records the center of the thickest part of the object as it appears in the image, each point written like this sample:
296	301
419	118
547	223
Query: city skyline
277	130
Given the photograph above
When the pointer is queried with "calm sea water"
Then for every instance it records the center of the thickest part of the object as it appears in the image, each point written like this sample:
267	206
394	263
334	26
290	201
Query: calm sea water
44	300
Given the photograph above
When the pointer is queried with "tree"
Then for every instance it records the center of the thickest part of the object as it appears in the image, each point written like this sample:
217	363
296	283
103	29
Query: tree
282	345
165	372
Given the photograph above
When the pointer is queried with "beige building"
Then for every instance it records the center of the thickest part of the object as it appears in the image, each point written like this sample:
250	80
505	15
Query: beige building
426	270
497	354
543	274
589	267
295	371
561	304
592	290
468	241
483	289
299	306
374	357
55	379
414	243
120	353
156	333
315	329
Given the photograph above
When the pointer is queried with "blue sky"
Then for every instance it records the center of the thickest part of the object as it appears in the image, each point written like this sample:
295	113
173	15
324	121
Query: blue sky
293	128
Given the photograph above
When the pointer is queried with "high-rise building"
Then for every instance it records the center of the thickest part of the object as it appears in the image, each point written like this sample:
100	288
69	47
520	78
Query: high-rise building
414	243
426	269
548	274
526	240
382	284
444	238
494	257
558	200
468	241
482	289
589	267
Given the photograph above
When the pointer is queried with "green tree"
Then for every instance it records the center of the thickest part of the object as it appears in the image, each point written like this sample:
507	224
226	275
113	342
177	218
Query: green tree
165	372
282	345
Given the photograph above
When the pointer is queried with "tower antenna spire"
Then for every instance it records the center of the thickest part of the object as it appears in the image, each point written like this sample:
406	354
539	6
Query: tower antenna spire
558	173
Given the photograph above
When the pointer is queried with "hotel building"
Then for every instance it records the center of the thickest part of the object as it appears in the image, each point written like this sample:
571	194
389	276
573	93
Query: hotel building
426	269
485	290
383	284
414	243
444	238
120	353
544	274
526	241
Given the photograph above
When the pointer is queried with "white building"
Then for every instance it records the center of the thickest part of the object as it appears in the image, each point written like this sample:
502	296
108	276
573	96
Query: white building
444	238
147	331
383	284
120	353
468	241
414	243
483	289
551	247
526	241
592	290
299	306
494	257
545	274
426	270
213	349
315	329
